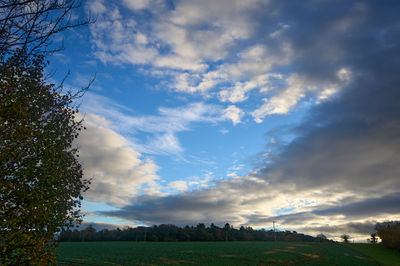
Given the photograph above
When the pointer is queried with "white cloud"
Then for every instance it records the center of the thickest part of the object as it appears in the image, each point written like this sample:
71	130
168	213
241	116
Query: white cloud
280	104
190	37
117	170
329	175
209	48
97	7
137	4
252	70
181	33
196	182
344	74
327	93
229	17
234	200
297	87
232	175
239	92
233	113
224	131
178	185
192	183
117	39
280	29
166	143
179	63
235	94
162	128
193	83
250	200
193	44
257	60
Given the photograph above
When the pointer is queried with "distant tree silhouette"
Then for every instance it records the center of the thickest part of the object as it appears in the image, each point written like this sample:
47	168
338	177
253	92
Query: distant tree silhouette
216	232
345	238
374	238
227	229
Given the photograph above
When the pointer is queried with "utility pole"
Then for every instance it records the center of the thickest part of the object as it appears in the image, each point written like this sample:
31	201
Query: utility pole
273	225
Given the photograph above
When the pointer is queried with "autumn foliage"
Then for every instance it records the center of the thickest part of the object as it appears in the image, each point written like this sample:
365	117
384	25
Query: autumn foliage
41	179
389	232
40	176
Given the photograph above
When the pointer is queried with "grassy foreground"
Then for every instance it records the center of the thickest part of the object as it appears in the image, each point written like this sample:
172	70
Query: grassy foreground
209	253
381	254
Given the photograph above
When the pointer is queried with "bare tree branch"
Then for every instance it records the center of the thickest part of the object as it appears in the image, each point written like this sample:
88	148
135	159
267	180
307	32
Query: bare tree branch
30	25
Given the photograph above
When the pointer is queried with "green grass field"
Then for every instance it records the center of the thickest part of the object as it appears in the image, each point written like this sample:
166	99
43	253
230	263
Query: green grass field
383	255
216	253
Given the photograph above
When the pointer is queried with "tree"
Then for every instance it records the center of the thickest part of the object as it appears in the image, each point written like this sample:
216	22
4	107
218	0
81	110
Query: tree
216	232
374	238
41	178
29	25
389	233
345	238
227	228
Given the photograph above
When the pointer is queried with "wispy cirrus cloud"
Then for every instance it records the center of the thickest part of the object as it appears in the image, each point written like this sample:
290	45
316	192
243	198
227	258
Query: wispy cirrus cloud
113	159
162	128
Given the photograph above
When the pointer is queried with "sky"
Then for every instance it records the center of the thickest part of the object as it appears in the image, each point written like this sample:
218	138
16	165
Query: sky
240	112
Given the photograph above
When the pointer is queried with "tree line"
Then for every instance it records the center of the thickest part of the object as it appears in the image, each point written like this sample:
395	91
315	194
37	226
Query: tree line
169	232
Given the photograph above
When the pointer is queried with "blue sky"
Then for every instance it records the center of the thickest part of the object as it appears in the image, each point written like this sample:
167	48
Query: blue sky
231	111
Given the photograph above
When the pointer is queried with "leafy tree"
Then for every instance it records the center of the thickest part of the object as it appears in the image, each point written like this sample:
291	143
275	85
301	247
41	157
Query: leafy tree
216	232
227	228
89	234
389	232
345	238
41	178
374	238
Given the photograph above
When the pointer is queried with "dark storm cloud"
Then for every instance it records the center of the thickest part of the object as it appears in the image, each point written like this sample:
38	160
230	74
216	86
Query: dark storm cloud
389	204
328	35
364	228
183	209
349	144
